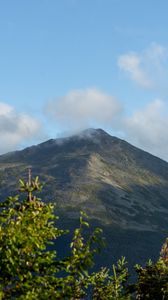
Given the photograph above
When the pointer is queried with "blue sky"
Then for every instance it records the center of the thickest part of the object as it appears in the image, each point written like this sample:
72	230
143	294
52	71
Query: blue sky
66	65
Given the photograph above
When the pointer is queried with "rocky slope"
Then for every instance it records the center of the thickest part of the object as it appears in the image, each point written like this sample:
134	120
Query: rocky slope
119	186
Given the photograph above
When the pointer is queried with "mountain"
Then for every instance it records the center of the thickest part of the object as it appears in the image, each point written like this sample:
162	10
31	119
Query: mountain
122	188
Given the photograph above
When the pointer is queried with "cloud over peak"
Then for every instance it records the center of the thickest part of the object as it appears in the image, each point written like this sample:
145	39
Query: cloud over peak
84	108
80	109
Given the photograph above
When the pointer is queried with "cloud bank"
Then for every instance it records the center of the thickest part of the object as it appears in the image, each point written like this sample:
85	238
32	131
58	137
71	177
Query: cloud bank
16	128
80	109
145	128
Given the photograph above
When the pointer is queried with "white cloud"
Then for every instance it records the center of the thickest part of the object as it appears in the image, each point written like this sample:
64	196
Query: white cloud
156	54
5	109
15	128
79	109
145	68
131	63
84	108
147	128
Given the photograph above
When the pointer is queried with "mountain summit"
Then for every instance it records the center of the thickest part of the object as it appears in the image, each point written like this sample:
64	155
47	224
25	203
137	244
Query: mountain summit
121	187
115	182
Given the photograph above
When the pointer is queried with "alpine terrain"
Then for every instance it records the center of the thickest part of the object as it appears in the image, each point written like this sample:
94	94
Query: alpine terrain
123	189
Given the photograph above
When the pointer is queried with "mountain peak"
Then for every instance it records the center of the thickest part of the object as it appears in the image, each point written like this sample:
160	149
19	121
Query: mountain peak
95	169
93	133
117	184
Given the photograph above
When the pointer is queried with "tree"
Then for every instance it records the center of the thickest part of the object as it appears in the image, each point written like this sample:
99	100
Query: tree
28	270
26	228
152	280
113	286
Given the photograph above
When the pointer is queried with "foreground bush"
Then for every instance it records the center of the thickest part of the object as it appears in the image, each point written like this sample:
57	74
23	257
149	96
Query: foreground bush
29	271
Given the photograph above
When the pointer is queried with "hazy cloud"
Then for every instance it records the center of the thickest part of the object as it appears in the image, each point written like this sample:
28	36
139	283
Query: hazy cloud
147	128
145	68
131	63
84	108
15	128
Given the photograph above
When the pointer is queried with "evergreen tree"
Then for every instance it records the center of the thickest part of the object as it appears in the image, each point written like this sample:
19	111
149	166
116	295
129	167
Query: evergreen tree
27	269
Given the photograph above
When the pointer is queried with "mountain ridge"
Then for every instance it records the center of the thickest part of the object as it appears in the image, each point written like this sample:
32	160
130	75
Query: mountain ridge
94	165
122	188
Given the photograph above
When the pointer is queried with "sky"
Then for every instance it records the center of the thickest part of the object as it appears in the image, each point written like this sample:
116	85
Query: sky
68	65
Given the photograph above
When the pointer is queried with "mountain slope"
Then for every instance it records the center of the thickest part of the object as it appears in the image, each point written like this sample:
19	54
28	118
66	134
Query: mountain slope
112	180
122	188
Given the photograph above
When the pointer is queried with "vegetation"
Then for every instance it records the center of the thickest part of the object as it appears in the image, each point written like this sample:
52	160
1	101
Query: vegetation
29	270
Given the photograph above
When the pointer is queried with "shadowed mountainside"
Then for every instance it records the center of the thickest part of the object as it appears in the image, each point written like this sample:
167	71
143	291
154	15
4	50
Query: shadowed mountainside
120	186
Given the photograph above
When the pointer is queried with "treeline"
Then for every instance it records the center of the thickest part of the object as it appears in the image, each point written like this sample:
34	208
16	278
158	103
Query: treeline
28	270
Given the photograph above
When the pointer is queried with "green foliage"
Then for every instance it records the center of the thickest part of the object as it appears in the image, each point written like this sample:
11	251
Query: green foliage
153	278
29	270
26	228
113	286
82	257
